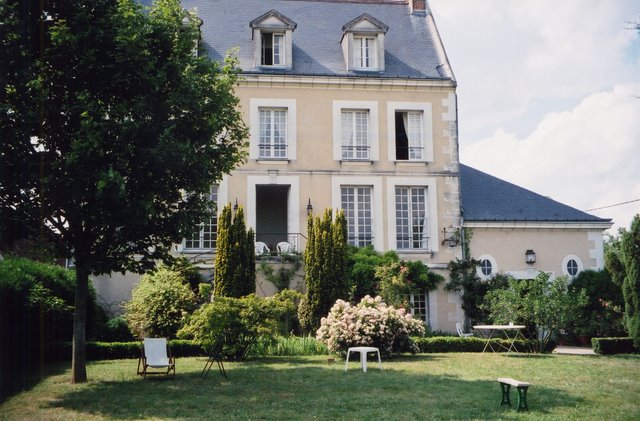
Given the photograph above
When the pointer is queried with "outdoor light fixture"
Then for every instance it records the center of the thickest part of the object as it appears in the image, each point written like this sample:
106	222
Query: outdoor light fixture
309	208
451	236
530	257
235	207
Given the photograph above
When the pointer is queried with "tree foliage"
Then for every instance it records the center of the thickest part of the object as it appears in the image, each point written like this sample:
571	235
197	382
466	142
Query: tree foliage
602	314
622	259
229	326
362	262
160	304
399	278
543	305
464	280
116	119
325	267
235	264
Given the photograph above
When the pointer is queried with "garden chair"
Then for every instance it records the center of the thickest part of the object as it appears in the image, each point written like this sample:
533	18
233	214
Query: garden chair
284	247
156	354
261	248
461	332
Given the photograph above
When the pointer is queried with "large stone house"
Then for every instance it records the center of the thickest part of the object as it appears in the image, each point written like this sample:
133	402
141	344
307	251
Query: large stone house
352	105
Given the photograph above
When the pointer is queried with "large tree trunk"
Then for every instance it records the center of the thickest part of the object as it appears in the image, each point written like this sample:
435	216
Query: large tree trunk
79	349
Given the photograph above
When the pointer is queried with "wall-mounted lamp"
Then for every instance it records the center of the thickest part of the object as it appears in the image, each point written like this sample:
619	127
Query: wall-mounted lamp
530	257
309	208
451	236
235	207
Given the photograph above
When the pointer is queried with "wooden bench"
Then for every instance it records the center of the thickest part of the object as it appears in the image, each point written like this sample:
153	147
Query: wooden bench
522	387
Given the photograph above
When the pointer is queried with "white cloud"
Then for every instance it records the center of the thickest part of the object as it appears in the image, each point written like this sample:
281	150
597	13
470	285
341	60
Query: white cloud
545	96
515	58
587	157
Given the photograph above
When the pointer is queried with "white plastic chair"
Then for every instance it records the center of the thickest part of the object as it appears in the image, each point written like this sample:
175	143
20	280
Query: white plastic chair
460	332
157	355
261	248
284	247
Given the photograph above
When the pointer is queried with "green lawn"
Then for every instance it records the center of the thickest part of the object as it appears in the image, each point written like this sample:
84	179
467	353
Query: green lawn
420	387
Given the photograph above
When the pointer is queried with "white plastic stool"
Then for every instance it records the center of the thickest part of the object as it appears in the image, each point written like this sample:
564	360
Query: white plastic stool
363	350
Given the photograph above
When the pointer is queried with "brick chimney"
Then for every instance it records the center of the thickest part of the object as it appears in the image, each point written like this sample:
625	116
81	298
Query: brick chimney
418	6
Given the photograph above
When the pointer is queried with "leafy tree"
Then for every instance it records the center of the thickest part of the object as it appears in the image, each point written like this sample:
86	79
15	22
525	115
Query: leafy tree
362	263
463	280
235	273
325	267
622	259
543	305
602	315
127	120
159	304
398	279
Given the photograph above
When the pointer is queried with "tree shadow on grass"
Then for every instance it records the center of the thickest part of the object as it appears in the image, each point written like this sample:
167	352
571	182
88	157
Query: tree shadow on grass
299	388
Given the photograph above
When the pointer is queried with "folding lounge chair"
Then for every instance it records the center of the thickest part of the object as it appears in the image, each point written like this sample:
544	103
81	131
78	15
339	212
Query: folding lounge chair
156	355
460	332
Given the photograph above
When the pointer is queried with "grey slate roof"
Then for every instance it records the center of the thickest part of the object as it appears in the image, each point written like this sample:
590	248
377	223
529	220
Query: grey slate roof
486	198
413	48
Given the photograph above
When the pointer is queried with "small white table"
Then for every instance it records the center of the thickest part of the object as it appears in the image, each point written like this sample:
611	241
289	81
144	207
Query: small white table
508	331
363	350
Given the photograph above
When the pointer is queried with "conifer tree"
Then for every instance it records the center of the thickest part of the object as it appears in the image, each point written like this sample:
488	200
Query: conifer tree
325	267
235	273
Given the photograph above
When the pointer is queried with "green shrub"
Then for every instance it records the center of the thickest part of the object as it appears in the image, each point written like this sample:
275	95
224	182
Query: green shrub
437	344
36	309
61	351
159	304
230	326
610	346
602	314
116	330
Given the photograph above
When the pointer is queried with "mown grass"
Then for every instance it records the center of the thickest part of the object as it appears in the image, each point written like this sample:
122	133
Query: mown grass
420	387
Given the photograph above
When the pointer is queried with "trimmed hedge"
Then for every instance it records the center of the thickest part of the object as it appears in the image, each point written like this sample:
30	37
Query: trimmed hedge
436	344
61	351
611	346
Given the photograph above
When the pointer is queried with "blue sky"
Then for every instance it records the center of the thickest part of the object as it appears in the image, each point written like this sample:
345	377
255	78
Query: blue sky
548	96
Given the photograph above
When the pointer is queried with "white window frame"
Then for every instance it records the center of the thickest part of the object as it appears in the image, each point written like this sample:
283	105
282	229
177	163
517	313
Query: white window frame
365	52
255	105
412	300
352	134
430	183
281	47
425	240
427	129
273	133
565	263
377	231
373	132
357	237
494	267
206	227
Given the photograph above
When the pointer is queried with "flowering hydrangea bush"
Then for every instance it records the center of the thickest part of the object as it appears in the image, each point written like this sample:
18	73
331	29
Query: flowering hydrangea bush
369	323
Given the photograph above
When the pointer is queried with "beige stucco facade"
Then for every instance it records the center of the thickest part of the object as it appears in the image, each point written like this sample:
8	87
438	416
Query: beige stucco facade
554	245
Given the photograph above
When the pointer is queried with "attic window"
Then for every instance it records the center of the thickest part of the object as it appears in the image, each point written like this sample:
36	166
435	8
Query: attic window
272	49
273	40
363	43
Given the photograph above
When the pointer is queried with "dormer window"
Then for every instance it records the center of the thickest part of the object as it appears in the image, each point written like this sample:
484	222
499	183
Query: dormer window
272	49
363	43
272	38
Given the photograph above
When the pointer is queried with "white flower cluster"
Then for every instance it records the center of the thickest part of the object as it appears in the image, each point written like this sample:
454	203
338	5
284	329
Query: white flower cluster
369	323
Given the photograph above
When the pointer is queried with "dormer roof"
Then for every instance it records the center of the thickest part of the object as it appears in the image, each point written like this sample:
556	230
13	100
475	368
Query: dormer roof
273	20
365	23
